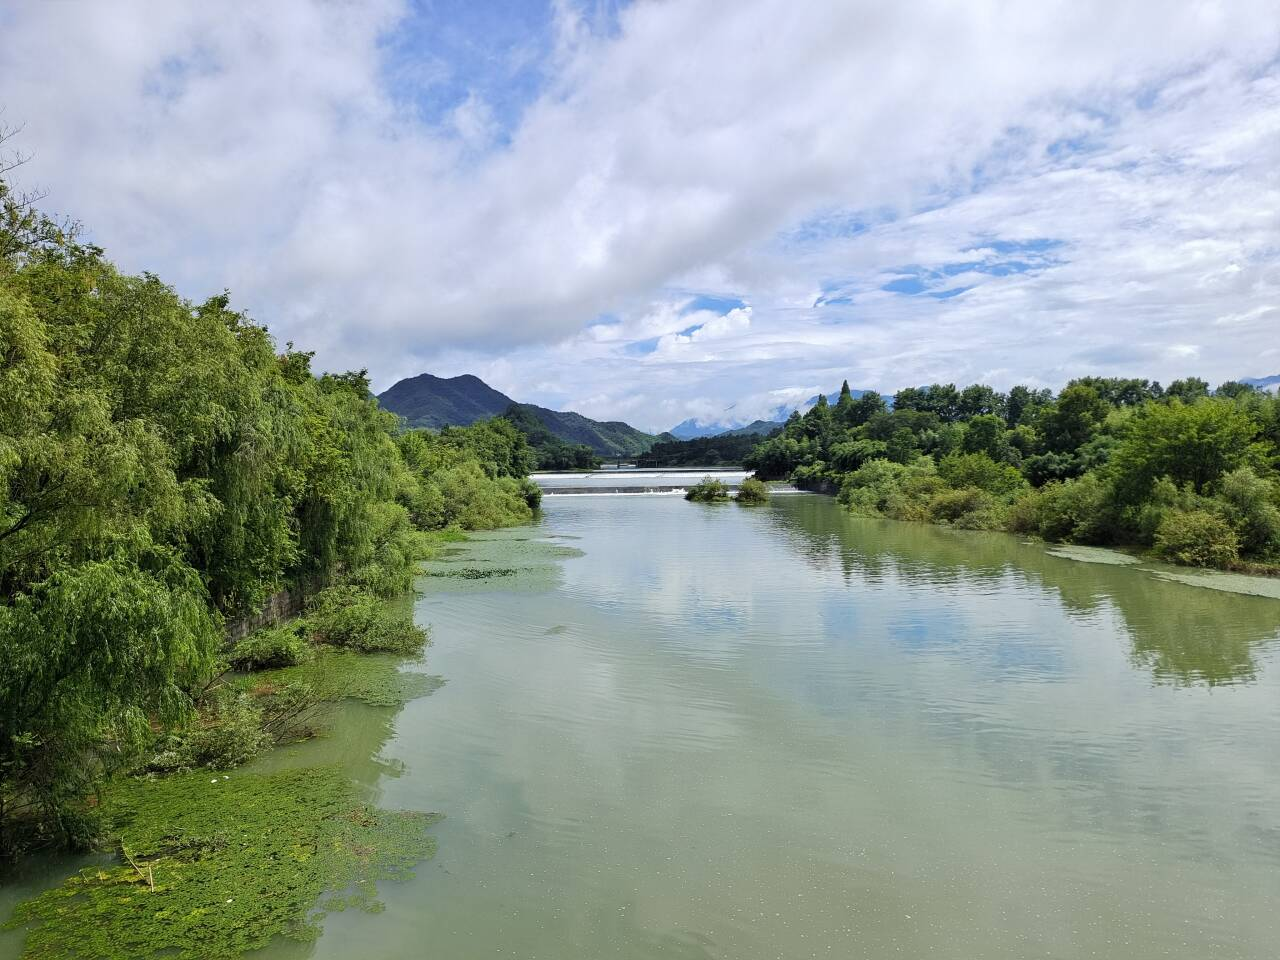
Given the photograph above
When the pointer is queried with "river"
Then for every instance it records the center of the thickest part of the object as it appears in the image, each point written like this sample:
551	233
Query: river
706	731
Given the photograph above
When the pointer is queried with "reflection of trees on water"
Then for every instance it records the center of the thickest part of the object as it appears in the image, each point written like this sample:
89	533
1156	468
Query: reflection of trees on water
1183	634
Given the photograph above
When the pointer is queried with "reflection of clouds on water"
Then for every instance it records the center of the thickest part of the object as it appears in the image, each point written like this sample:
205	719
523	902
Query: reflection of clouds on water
785	731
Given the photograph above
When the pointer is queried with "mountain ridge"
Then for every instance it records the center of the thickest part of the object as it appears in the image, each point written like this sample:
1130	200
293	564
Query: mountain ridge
431	402
1263	383
695	428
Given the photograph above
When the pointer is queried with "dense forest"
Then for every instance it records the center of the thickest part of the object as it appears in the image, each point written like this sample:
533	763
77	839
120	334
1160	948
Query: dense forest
1185	471
723	450
165	470
550	452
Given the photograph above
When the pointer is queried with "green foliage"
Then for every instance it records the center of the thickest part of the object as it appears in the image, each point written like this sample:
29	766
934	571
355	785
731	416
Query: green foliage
1192	444
91	654
346	616
216	867
970	508
281	646
550	451
1069	423
1188	391
708	490
882	488
984	434
1105	462
472	501
722	450
470	478
1120	391
979	470
1251	505
164	467
338	674
753	491
1197	538
1071	511
228	732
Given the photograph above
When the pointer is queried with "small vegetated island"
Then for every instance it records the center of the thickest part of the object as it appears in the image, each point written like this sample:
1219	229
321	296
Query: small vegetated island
168	473
1184	471
708	490
713	490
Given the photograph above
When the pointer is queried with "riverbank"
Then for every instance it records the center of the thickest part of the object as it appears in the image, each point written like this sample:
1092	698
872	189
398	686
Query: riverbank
212	849
888	495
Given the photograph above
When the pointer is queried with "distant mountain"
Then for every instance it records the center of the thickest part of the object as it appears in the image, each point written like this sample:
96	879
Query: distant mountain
691	429
1263	383
694	428
610	438
759	427
435	402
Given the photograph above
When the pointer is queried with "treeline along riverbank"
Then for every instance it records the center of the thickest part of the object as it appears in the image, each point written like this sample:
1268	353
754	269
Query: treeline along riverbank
166	473
1183	471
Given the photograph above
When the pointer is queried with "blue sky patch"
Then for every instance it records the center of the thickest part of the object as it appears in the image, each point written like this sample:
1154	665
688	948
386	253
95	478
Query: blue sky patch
836	301
908	285
444	51
641	348
715	304
1013	257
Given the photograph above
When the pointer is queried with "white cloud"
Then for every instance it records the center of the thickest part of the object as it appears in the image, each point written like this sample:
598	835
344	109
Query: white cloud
689	150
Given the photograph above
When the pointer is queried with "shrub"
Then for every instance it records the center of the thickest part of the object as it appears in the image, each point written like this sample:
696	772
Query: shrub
978	470
531	492
752	492
910	499
1165	499
708	490
1197	538
283	646
1249	503
867	489
882	488
465	496
227	733
396	546
346	616
1074	511
968	508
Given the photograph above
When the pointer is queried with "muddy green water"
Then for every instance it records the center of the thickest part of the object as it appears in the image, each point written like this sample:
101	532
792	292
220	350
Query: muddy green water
676	730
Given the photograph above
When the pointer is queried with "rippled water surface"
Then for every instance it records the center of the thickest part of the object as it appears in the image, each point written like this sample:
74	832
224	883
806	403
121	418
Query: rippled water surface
691	731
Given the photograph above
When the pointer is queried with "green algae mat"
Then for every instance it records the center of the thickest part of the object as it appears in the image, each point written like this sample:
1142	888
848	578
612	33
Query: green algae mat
218	865
375	679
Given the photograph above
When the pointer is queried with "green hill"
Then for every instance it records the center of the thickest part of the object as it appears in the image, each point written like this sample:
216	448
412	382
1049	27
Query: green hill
755	427
611	438
435	402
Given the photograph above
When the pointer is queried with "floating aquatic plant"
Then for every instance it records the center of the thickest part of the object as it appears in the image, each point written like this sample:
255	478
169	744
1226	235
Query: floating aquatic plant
214	866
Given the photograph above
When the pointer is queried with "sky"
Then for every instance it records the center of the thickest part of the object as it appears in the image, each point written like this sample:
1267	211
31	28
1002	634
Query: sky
652	211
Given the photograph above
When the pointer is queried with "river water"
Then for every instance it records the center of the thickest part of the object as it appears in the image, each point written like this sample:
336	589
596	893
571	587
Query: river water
706	731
